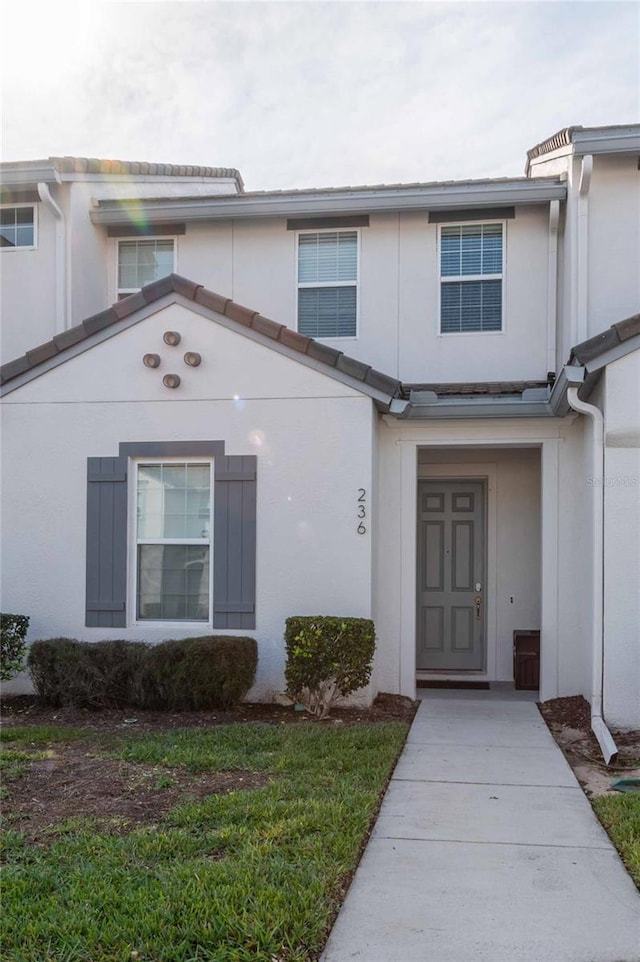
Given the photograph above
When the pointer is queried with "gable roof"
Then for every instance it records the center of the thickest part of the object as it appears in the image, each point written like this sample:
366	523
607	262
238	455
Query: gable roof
60	348
616	335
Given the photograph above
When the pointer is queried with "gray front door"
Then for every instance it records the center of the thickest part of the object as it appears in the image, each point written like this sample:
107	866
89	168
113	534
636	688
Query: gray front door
451	576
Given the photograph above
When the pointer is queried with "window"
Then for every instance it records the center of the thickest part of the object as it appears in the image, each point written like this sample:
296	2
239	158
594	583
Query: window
185	555
142	261
173	527
471	278
17	227
328	283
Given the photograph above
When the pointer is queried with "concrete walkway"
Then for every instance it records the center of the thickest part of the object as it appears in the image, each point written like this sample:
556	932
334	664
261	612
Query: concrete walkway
486	849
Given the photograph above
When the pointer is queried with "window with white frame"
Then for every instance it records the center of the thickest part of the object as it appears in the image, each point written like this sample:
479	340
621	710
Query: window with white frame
142	261
17	227
328	283
471	265
173	526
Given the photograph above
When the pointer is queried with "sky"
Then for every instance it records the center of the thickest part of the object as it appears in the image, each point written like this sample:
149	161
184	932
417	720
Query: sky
307	94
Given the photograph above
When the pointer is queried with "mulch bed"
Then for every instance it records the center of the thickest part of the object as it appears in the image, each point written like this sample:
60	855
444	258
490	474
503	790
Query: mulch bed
24	710
574	713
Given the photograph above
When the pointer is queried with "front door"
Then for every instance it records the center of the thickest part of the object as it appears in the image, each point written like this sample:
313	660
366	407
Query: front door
451	576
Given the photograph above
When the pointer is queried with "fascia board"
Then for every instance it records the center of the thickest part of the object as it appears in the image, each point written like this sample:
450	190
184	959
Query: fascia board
22	175
607	142
499	408
538	191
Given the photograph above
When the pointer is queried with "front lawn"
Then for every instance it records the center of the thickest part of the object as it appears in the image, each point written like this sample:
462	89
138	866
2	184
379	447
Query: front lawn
228	844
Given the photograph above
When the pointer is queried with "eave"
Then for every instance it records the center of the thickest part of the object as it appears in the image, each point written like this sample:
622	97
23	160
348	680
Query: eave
450	196
28	174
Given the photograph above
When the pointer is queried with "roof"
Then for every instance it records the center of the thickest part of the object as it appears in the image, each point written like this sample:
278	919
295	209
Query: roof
618	334
60	348
616	138
35	170
436	195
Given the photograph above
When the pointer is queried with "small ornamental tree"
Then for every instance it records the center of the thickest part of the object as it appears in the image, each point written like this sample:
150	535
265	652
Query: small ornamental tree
13	644
327	658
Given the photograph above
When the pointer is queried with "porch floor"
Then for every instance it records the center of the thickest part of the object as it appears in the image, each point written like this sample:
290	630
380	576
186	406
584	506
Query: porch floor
486	848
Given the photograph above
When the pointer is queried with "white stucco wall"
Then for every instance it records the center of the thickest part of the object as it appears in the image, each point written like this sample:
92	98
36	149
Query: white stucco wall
622	543
254	262
27	291
312	436
614	242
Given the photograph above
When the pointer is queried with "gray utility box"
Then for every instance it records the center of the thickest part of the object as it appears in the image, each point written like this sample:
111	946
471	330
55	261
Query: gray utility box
526	660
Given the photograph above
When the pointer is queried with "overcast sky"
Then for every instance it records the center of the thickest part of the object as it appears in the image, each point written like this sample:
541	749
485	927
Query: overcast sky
314	94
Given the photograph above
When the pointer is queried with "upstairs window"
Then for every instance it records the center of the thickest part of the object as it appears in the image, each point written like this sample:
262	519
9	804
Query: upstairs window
471	257
142	261
17	227
328	283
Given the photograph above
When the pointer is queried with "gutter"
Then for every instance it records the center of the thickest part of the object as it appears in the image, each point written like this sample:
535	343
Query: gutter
61	256
598	726
452	196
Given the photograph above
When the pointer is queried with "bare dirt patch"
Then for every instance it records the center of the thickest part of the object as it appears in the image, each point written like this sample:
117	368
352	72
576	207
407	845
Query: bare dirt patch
74	783
569	720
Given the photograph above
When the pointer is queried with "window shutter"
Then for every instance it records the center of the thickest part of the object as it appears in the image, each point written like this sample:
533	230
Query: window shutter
234	542
106	542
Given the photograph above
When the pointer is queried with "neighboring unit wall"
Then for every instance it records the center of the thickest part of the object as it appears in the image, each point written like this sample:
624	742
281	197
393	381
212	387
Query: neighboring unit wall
28	290
622	543
614	242
311	434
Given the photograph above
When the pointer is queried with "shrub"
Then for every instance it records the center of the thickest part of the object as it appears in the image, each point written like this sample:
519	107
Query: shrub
194	674
103	674
13	634
191	674
327	658
51	664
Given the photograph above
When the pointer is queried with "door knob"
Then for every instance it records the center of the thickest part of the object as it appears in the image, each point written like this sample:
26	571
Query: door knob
477	601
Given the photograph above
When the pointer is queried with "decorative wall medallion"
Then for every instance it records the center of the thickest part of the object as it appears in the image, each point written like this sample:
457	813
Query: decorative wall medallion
151	360
172	338
192	358
171	380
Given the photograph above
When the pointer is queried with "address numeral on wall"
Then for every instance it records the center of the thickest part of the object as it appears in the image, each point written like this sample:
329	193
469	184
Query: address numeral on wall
361	506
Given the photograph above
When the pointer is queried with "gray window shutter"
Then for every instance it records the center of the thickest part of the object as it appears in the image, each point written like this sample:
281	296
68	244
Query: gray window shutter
106	542
234	542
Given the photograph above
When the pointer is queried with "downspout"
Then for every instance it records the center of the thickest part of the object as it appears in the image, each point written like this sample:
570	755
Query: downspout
582	289
61	259
598	726
552	275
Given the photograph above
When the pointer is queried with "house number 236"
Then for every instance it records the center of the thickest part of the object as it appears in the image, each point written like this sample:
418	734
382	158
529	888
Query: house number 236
361	511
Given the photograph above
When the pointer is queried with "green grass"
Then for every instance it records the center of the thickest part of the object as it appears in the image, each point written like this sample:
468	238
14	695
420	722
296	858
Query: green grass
620	816
41	734
253	876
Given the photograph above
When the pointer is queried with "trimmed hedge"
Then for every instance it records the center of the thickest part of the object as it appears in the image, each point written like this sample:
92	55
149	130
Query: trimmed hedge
328	657
195	674
13	634
102	674
188	674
